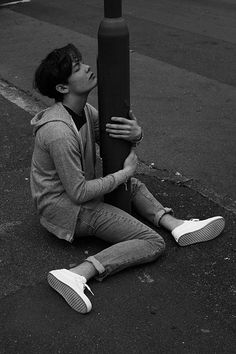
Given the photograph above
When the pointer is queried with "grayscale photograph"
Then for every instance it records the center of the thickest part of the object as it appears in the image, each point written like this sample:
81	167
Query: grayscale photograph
117	176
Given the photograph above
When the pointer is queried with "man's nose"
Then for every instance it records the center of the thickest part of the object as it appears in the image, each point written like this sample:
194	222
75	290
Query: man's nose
88	68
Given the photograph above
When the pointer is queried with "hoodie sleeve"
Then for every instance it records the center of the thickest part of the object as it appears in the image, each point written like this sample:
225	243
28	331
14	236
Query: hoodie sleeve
95	122
67	160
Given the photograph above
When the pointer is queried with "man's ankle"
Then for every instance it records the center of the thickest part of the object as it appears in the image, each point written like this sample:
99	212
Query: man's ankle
169	222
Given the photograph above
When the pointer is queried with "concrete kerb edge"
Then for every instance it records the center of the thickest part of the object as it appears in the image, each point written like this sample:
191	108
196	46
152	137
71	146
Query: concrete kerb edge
33	105
225	202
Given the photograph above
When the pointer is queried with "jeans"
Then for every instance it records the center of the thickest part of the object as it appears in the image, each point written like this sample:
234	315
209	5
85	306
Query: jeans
132	241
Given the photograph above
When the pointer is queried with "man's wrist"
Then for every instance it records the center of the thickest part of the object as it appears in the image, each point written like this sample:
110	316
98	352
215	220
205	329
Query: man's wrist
128	172
138	139
122	176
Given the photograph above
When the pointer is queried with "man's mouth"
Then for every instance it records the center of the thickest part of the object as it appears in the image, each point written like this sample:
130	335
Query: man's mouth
91	76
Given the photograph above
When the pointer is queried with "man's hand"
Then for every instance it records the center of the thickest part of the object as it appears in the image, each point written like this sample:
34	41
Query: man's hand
131	163
123	128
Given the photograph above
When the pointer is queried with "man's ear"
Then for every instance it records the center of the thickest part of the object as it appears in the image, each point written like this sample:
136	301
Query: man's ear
62	88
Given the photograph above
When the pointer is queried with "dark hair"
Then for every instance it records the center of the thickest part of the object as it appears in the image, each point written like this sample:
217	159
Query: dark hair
55	69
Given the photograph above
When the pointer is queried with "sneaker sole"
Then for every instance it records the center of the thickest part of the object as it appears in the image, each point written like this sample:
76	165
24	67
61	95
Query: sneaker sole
206	233
71	296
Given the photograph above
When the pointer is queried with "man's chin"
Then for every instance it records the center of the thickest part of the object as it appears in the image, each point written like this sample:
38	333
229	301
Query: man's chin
95	84
96	81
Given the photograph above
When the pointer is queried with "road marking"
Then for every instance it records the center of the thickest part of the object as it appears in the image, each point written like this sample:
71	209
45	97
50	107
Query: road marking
14	2
20	98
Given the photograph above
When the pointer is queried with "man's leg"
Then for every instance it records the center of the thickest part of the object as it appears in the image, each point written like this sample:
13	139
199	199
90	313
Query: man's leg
146	205
184	232
133	243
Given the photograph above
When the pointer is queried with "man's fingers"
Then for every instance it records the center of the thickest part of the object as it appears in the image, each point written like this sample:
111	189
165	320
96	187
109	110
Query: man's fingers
124	120
118	136
120	120
111	127
118	132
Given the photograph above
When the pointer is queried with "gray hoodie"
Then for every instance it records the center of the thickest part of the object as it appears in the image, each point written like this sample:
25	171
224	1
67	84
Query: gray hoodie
63	168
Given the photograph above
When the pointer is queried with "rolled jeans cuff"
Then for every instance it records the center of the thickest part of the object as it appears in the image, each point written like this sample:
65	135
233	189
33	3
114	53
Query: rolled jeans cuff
163	212
98	266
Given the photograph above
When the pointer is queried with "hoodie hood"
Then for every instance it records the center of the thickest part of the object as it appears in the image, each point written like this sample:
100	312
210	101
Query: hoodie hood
57	112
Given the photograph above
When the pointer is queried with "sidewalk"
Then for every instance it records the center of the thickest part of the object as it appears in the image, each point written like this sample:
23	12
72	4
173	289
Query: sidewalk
188	118
180	304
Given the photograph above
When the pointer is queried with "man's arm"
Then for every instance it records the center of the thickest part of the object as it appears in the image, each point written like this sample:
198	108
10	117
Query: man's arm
67	159
127	129
122	128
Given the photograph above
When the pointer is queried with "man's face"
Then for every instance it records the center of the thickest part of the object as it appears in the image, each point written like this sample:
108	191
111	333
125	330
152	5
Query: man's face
82	79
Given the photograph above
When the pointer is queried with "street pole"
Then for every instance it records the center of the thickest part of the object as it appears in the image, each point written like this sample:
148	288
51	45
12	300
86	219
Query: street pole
113	94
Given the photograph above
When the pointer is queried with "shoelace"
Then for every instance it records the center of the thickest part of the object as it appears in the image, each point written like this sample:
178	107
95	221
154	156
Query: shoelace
83	281
86	286
193	219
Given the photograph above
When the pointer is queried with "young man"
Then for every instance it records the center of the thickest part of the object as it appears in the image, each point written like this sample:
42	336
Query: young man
68	196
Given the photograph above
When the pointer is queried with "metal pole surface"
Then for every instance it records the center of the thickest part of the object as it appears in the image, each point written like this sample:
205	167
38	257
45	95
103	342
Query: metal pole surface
113	94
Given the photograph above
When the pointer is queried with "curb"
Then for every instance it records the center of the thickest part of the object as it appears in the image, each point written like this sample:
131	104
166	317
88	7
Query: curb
178	179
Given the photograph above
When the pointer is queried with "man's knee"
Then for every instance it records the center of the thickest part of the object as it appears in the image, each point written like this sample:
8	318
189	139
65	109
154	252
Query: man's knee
136	184
158	244
161	244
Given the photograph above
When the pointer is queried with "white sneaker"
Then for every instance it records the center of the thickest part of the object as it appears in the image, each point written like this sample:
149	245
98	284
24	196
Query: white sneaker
71	287
194	231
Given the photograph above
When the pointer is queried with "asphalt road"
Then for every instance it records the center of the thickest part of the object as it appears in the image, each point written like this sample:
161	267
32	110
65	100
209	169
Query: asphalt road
183	74
182	303
182	83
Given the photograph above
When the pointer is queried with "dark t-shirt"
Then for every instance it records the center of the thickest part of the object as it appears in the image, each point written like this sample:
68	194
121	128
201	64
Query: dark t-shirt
79	120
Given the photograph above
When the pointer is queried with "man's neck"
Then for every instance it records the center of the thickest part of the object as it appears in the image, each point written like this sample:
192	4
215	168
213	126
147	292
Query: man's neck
76	104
